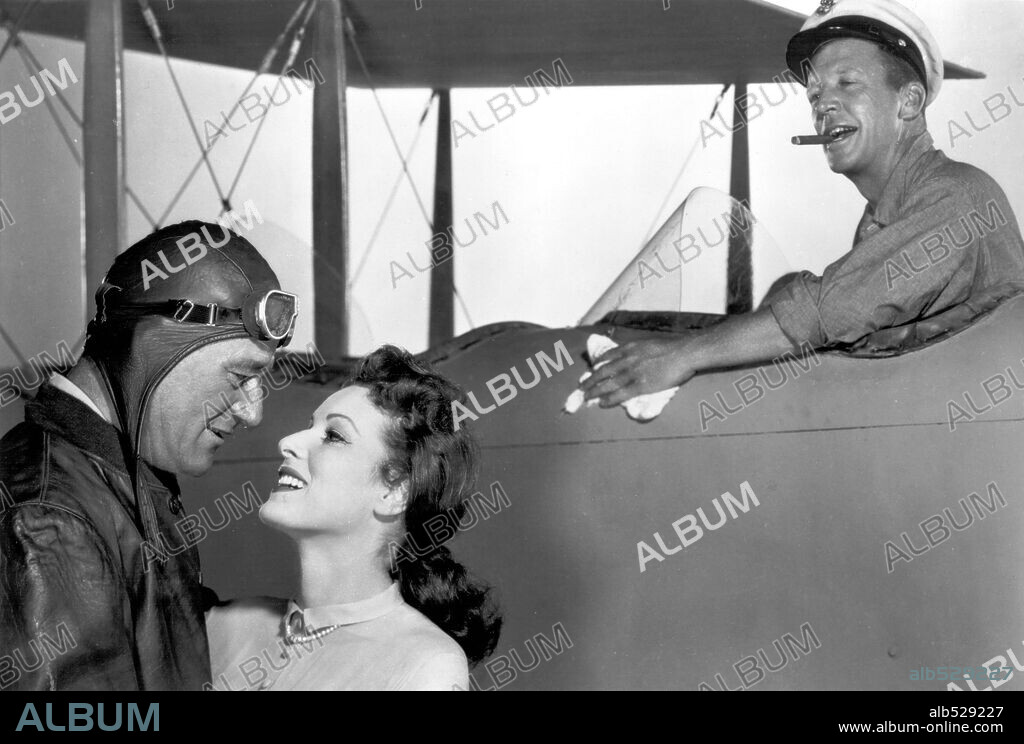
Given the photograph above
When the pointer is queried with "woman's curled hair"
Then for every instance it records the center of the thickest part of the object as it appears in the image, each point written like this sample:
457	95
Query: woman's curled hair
439	464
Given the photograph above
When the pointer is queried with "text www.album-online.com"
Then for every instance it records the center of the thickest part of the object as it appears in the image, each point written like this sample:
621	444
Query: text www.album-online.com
944	727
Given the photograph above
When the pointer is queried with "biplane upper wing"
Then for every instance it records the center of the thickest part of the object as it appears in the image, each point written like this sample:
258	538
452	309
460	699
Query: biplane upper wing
480	43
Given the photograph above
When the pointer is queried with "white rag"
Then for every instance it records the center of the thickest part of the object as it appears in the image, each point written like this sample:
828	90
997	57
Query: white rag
640	408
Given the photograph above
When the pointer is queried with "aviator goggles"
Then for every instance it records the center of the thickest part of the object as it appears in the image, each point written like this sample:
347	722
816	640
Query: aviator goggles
267	316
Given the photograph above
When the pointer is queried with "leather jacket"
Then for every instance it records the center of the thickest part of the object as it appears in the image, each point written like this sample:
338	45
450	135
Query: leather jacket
97	591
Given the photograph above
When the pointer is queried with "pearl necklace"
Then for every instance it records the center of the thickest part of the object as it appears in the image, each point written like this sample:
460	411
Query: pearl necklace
292	638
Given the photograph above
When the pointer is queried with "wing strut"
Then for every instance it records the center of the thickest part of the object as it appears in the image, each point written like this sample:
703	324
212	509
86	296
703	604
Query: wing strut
739	282
330	184
103	142
442	275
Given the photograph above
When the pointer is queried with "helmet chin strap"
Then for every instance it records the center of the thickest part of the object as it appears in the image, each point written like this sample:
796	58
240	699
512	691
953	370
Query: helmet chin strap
116	397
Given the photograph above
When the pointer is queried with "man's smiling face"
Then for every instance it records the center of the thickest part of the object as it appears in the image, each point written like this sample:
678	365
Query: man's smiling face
851	96
180	435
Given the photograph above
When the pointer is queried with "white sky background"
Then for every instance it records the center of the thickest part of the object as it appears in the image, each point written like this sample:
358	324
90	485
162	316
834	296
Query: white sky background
580	175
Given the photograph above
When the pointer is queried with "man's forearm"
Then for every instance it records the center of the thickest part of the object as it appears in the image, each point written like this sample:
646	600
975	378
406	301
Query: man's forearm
651	365
742	339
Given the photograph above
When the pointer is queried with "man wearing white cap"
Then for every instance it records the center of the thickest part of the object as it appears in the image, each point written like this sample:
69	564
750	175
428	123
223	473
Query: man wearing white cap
938	243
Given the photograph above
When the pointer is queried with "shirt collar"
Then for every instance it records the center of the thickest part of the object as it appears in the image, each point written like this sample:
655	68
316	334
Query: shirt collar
894	193
63	384
350	613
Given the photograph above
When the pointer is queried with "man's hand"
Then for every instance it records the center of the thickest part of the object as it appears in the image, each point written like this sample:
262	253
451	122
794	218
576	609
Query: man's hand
637	368
652	366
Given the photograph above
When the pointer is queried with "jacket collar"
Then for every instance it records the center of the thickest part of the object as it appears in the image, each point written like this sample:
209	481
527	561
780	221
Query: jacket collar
55	411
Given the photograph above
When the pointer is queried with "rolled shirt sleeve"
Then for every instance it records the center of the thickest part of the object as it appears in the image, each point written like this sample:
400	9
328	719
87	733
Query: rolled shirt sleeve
897	273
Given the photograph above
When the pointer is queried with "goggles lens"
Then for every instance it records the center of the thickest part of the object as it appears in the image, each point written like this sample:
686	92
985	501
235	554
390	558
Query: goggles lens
279	311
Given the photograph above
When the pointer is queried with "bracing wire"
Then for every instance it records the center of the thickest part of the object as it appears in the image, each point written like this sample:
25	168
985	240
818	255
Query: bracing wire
34	67
387	122
154	31
268	60
394	192
33	64
15	28
293	54
658	219
462	304
351	32
50	107
14	347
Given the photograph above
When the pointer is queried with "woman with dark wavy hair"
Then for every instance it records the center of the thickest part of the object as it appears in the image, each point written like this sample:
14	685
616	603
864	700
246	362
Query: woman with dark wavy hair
376	610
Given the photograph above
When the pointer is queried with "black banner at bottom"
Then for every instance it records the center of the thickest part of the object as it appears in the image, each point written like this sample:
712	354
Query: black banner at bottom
846	714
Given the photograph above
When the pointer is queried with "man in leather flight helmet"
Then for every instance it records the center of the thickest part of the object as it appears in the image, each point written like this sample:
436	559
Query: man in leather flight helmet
98	590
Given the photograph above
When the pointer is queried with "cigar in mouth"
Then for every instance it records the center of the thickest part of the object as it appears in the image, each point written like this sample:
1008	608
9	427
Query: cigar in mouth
814	139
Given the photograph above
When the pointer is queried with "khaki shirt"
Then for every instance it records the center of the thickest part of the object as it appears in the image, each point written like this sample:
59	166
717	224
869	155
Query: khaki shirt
941	234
